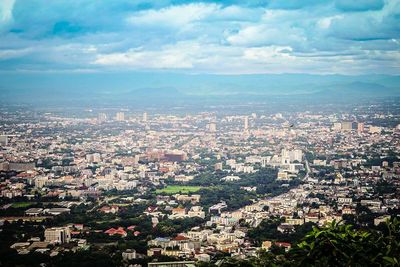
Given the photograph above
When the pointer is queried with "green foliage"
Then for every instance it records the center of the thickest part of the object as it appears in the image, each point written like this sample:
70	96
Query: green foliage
336	245
168	228
175	189
342	245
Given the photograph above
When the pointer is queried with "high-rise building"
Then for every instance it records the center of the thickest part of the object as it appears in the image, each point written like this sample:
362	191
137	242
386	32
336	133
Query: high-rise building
120	116
337	126
212	127
360	127
289	156
59	235
102	117
3	140
246	123
348	125
145	117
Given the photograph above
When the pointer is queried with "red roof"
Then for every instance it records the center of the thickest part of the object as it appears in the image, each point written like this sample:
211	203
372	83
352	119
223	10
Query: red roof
119	231
180	238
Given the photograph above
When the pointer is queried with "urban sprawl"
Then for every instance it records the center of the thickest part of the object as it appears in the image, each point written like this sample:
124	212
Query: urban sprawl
149	187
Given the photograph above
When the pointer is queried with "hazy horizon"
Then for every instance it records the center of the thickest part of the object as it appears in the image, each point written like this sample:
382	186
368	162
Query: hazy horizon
199	47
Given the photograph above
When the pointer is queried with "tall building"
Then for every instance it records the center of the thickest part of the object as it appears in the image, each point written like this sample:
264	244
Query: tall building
246	123
360	127
212	127
289	156
348	125
337	126
59	235
145	117
120	116
3	140
102	117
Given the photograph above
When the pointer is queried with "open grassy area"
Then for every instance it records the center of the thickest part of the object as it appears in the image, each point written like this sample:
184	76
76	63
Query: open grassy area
175	189
22	204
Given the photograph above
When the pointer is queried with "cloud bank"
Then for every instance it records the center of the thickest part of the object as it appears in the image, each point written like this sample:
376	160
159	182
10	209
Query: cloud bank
220	37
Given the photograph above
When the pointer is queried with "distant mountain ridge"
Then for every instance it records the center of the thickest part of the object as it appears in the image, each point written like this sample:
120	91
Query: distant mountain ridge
173	87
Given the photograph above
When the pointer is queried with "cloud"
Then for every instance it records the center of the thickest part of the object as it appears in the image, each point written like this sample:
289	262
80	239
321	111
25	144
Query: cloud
166	58
294	4
174	16
14	53
359	5
6	7
201	36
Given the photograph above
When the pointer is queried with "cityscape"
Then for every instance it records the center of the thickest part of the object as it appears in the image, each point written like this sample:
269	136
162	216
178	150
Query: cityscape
194	187
199	133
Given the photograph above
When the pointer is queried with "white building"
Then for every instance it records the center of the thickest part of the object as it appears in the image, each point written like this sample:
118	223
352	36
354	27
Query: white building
58	235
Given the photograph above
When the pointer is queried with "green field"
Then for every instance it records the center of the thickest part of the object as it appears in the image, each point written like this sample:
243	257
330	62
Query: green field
22	204
175	189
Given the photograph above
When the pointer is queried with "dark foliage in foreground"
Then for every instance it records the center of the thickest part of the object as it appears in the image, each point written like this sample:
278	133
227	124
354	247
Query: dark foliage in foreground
336	245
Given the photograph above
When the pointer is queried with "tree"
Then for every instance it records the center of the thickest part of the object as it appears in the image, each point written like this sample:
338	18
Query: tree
342	245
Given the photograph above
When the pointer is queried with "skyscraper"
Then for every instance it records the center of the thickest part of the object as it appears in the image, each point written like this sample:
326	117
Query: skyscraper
120	116
102	117
360	127
145	117
212	127
246	123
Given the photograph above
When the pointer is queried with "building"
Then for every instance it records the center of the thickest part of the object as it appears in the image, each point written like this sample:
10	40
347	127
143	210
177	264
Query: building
375	129
246	123
3	140
21	166
120	116
218	166
41	181
348	125
172	264
58	235
145	117
175	156
129	254
102	117
360	127
289	156
212	127
337	126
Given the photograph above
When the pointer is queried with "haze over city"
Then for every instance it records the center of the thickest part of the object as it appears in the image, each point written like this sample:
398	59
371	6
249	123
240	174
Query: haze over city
199	133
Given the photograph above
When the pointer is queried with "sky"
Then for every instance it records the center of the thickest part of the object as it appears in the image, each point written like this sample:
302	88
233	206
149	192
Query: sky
352	37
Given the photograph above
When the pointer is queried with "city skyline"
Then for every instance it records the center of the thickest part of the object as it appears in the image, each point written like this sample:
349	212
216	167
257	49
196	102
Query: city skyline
204	133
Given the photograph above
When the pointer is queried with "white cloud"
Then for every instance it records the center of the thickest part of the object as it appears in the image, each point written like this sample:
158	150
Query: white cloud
325	23
201	37
14	53
169	57
6	7
174	16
